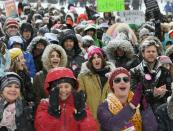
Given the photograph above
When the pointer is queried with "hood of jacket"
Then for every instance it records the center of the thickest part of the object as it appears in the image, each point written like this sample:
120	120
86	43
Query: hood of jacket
169	51
116	44
69	34
45	56
86	70
71	15
35	41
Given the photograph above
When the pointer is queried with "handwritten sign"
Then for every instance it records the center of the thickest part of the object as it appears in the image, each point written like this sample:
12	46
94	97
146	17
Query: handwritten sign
110	5
132	17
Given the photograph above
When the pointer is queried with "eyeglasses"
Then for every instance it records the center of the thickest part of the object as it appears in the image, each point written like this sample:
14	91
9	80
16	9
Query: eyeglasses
119	79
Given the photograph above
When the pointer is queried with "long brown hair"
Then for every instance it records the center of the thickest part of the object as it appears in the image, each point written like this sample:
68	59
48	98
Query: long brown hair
90	65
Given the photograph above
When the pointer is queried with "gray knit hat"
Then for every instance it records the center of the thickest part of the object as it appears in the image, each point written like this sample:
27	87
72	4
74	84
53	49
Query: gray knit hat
10	78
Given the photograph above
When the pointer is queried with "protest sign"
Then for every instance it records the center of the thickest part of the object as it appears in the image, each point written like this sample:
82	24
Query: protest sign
10	8
110	5
152	9
132	17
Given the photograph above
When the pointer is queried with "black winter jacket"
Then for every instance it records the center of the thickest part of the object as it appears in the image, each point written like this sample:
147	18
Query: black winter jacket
159	76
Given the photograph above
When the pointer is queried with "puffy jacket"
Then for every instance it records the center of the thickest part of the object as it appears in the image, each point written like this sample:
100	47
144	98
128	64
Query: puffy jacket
30	63
66	122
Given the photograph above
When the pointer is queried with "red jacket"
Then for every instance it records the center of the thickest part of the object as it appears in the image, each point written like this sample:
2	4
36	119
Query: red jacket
66	122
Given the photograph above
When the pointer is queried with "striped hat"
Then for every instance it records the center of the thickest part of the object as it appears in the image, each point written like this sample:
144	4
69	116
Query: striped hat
11	22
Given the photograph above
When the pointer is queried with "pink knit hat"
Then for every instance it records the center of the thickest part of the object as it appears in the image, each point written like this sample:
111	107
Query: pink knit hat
164	59
94	50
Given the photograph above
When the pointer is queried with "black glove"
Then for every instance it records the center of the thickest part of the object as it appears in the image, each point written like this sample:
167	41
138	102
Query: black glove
79	104
54	107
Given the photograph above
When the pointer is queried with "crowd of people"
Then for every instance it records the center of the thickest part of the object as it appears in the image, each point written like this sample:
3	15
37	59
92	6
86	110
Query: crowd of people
69	71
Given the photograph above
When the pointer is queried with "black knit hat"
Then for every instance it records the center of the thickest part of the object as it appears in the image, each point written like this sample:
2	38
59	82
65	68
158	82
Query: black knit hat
26	27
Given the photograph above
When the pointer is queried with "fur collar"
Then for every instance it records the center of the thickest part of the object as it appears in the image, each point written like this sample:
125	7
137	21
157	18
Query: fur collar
86	70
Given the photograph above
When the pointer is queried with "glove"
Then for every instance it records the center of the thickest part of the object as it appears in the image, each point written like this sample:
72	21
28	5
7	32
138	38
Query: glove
54	107
137	95
79	104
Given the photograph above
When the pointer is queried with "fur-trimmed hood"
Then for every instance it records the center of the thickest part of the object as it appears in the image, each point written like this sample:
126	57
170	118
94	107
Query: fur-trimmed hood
46	53
169	51
86	70
71	15
35	41
122	44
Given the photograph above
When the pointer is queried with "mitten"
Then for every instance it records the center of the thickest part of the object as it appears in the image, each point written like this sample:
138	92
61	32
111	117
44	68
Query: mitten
54	107
79	104
137	95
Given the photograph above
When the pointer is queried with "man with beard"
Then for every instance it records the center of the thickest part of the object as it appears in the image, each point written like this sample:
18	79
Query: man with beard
156	80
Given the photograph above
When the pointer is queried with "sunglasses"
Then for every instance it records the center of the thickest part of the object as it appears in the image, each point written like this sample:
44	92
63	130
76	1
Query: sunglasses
119	79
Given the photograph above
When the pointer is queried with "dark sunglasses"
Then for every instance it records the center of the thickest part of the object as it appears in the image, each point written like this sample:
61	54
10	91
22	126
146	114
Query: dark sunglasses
119	79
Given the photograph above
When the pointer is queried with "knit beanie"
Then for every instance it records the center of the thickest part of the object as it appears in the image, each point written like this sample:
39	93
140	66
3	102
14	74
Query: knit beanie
94	50
9	78
11	22
26	27
164	60
143	32
116	72
14	53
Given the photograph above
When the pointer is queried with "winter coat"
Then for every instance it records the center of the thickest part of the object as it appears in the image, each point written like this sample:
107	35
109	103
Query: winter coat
30	63
168	8
23	117
28	92
110	122
74	57
91	84
159	76
38	82
128	60
66	122
164	115
31	47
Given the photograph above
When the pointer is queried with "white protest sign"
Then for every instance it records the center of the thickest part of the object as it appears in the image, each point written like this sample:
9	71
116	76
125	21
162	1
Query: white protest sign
132	17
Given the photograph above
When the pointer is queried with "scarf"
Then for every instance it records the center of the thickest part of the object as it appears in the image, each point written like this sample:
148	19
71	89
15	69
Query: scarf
8	119
115	106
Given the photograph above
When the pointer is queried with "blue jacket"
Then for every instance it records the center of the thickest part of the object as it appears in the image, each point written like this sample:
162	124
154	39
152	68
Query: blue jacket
30	63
